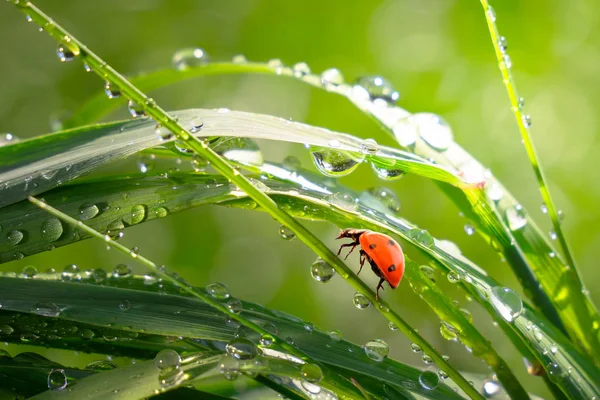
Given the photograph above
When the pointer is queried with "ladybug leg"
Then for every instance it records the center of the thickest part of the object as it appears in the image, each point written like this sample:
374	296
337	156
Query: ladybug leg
379	286
353	245
363	258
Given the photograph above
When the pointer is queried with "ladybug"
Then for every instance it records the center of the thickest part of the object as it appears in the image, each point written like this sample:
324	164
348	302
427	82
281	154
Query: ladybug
381	251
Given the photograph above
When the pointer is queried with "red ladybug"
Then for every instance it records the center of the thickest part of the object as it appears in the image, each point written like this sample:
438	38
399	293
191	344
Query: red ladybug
381	251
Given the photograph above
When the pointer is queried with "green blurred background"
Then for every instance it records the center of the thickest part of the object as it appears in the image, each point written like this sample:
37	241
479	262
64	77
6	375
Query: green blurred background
438	55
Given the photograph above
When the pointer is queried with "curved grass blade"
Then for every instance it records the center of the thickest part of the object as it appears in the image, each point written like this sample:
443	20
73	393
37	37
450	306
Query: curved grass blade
30	167
547	279
168	312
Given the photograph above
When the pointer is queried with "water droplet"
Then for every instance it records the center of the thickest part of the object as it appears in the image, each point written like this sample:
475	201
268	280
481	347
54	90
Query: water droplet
506	302
491	13
241	348
502	43
88	211
386	197
360	301
553	235
429	380
392	326
99	275
311	373
137	214
507	61
266	340
30	271
369	146
46	309
167	359
377	350
218	290
427	359
321	270
453	277
189	58
448	331
57	380
526	120
467	314
101	365
331	77
196	124
342	200
442	374
336	336
491	388
494	191
239	59
469	229
521	103
428	272
286	233
378	88
434	130
52	229
544	208
64	53
125	305
516	217
234	306
199	164
301	69
115	229
71	272
6	329
336	163
311	388
15	237
422	237
87	334
161	212
111	91
122	271
135	110
87	68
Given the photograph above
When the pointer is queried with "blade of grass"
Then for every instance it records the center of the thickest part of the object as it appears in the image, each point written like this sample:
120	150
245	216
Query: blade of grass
202	149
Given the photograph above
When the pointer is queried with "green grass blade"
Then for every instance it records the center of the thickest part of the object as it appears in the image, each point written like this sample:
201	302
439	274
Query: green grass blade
495	211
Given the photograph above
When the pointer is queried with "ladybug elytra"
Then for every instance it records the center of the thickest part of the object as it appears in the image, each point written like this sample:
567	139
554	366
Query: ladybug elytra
381	251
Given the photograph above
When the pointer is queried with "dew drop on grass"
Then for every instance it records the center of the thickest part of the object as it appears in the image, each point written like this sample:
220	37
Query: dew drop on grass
234	306
507	61
331	77
286	233
392	326
387	172
125	305
29	272
434	130
239	59
57	380
199	163
15	237
64	53
46	309
491	388
427	359
311	388
122	271
369	146
377	350
218	290
516	217
360	301
161	212
386	197
378	88
71	272
502	43
6	330
266	340
494	191
167	359
342	200
335	336
196	124
553	235
428	272
406	131
88	211
137	214
469	229
321	270
87	334
336	163
241	348
111	91
506	302
101	365
448	331
429	380
311	373
526	120
87	68
442	374
135	109
301	69
52	229
189	58
422	237
453	277
491	13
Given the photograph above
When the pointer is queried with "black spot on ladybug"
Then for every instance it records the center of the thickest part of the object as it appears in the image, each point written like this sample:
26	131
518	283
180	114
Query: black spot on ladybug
391	243
372	245
391	268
